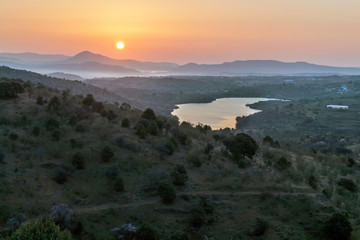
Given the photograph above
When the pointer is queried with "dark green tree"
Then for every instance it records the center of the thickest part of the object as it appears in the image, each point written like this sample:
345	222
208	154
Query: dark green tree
106	154
88	100
78	160
125	123
148	114
241	145
337	227
145	232
54	104
179	235
119	184
179	175
167	191
52	124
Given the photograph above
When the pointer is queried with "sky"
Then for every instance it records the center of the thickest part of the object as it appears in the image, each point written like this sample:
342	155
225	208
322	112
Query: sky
202	31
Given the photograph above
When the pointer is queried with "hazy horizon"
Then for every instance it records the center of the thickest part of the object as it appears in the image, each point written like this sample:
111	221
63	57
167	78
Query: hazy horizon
320	32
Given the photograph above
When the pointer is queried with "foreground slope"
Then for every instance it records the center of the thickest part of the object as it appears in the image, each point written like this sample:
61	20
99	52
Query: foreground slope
107	162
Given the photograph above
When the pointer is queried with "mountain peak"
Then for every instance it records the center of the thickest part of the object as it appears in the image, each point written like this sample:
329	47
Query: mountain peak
86	56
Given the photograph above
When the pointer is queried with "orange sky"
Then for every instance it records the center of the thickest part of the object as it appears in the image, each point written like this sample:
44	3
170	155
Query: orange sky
203	31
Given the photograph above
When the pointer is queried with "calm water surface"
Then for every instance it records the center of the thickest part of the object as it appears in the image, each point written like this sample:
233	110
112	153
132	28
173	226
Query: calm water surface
220	113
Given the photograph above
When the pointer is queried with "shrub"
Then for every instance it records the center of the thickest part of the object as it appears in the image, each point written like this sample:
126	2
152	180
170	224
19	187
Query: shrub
282	164
39	100
119	184
342	151
2	157
106	154
337	227
125	123
260	227
195	160
312	182
60	175
141	130
4	213
125	232
55	135
209	147
16	220
112	172
197	216
78	161
153	128
268	140
98	107
40	230
216	137
111	115
13	136
167	191
35	131
80	128
62	215
206	205
348	184
179	175
52	124
170	147
350	162
148	114
145	232
179	235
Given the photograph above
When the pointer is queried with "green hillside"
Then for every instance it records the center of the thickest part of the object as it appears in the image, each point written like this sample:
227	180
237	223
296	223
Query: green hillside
112	164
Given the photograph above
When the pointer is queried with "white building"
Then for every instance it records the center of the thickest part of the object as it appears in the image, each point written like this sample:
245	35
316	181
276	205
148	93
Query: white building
338	106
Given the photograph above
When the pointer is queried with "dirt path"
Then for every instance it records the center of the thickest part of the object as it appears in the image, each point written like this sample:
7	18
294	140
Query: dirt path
248	192
106	206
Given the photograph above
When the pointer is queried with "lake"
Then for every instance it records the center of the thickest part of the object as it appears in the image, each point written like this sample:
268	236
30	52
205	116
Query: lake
220	113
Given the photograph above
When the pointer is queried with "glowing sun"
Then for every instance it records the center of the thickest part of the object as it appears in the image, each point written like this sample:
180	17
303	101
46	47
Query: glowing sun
120	45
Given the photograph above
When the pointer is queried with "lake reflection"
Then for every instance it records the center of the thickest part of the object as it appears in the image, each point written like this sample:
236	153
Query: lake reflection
220	113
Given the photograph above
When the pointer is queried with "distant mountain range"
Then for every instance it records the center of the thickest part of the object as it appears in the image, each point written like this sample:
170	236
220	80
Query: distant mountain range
90	65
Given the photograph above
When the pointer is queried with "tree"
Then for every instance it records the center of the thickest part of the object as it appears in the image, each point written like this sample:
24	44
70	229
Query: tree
337	227
348	184
145	232
179	235
179	175
54	104
167	191
88	100
52	124
10	89
78	161
216	138
98	107
241	145
197	216
111	115
268	140
125	123
106	154
40	230
119	184
39	100
148	114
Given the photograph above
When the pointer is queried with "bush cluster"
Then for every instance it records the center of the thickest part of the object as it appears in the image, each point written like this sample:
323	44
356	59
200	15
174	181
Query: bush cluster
179	175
